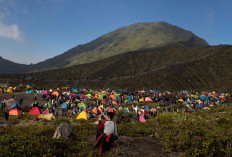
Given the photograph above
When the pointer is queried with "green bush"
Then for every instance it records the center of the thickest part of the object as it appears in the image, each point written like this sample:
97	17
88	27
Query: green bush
37	141
203	134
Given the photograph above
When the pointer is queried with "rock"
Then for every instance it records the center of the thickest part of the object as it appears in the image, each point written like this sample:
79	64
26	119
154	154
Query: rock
157	136
64	130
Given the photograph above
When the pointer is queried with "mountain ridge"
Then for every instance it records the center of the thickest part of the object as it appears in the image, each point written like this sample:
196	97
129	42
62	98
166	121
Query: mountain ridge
134	37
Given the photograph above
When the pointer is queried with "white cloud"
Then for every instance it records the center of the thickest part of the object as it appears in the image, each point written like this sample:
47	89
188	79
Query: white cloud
10	31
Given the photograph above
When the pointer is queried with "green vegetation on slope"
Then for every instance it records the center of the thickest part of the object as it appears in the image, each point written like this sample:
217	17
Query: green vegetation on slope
134	37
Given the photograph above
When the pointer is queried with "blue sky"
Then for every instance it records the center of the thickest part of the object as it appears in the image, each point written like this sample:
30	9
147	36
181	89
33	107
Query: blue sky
34	30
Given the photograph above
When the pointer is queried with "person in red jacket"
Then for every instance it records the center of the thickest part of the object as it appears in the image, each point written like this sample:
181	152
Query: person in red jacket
101	123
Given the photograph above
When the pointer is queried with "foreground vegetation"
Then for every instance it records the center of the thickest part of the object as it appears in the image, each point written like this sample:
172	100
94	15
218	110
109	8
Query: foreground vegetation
203	133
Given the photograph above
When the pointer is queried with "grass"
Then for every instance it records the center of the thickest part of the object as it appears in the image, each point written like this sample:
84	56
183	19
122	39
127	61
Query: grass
203	133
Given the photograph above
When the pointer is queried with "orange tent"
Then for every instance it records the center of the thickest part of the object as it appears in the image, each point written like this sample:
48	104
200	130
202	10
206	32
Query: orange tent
112	97
94	110
55	93
115	103
15	112
147	99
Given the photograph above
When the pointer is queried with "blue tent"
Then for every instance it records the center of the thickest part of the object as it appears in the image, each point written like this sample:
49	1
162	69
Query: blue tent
130	97
30	92
64	105
14	105
74	90
146	108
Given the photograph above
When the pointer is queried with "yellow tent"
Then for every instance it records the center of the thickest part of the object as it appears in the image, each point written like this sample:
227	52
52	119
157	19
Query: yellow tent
100	107
82	115
9	90
141	100
49	116
181	100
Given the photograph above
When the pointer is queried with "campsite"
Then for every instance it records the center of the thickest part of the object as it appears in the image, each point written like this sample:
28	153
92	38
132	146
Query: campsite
149	122
115	78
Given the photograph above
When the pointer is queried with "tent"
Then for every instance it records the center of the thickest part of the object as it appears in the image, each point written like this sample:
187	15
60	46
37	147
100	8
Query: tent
9	90
30	92
28	87
46	92
146	108
181	100
81	105
74	90
141	100
35	111
72	94
83	97
89	95
94	110
12	106
15	112
82	115
46	112
147	99
64	105
112	97
141	119
55	93
49	116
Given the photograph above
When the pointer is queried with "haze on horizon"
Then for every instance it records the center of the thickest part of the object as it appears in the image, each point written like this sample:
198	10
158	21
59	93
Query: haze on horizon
32	31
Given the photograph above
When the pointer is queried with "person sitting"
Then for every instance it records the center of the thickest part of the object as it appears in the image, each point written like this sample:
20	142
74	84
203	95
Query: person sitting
106	140
101	123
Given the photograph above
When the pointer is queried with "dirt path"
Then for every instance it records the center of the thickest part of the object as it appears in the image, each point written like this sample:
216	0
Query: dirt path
136	147
143	146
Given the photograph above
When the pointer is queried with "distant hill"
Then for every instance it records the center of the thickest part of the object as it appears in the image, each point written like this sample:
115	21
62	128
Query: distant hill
134	37
7	67
169	67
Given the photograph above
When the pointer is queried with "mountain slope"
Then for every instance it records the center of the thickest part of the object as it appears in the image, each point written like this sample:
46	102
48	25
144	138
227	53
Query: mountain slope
130	63
7	67
207	68
134	37
212	72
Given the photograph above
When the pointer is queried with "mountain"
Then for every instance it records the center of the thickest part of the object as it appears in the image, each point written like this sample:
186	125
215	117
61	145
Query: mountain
203	68
134	37
7	67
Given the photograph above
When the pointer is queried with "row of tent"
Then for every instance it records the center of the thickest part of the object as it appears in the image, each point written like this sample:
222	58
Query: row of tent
45	115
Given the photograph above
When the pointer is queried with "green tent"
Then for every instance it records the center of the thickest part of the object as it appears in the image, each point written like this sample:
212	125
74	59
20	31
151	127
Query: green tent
82	105
89	95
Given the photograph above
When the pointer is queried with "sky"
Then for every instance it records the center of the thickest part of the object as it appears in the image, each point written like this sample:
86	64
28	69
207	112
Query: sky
34	30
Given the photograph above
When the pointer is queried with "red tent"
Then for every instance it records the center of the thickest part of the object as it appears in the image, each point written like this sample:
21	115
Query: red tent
35	111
